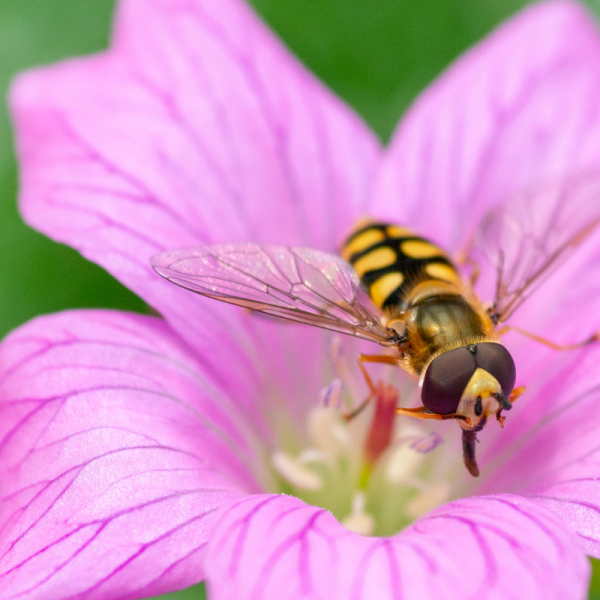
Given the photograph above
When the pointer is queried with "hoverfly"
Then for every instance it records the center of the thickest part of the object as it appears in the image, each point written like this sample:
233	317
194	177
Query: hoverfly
398	289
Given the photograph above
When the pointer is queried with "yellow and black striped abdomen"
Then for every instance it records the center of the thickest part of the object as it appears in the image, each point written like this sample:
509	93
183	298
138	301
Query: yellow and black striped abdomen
390	260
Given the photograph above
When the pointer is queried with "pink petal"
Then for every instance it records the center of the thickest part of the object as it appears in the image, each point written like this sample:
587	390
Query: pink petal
496	547
549	448
197	126
114	455
550	435
578	503
518	108
556	435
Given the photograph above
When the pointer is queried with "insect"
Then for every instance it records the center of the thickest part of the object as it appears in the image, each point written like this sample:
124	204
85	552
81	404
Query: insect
395	288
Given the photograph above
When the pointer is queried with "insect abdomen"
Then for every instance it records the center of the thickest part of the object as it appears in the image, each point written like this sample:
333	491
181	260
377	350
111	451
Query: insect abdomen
390	260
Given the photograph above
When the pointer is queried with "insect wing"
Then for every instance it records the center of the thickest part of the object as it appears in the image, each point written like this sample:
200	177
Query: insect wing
300	284
534	232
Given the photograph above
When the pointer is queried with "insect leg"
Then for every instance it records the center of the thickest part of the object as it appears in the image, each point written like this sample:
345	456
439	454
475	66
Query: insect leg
349	416
384	359
475	269
594	338
422	413
373	358
516	393
474	274
463	257
419	413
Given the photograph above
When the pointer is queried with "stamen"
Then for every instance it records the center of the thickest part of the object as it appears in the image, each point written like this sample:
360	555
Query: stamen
433	497
331	395
310	456
375	457
335	348
328	432
402	463
427	444
294	472
359	521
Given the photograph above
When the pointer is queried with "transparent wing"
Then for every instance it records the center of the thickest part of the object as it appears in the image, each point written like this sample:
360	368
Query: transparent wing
534	232
299	284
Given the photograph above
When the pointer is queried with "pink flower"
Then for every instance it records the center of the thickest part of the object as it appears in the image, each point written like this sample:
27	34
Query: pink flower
142	455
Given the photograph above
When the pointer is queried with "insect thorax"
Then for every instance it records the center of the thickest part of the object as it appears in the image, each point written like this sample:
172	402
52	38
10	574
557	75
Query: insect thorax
436	322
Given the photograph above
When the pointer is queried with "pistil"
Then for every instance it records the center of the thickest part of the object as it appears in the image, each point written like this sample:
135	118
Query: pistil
372	471
381	430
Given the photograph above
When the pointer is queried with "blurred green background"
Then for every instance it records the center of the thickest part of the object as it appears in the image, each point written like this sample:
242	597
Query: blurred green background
376	54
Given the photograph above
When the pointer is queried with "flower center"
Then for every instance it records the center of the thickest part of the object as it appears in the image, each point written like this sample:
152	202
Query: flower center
376	472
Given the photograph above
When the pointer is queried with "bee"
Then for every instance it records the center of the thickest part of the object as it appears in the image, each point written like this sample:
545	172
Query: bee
400	290
445	336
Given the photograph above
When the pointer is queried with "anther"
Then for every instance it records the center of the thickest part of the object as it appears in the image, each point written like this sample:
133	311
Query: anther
331	394
427	444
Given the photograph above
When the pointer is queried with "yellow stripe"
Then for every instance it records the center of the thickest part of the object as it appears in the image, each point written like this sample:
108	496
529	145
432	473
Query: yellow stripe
384	286
396	231
377	259
362	242
418	249
441	271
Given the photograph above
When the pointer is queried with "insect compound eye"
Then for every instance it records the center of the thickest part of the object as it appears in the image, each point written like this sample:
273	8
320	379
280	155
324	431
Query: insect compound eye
497	361
446	379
